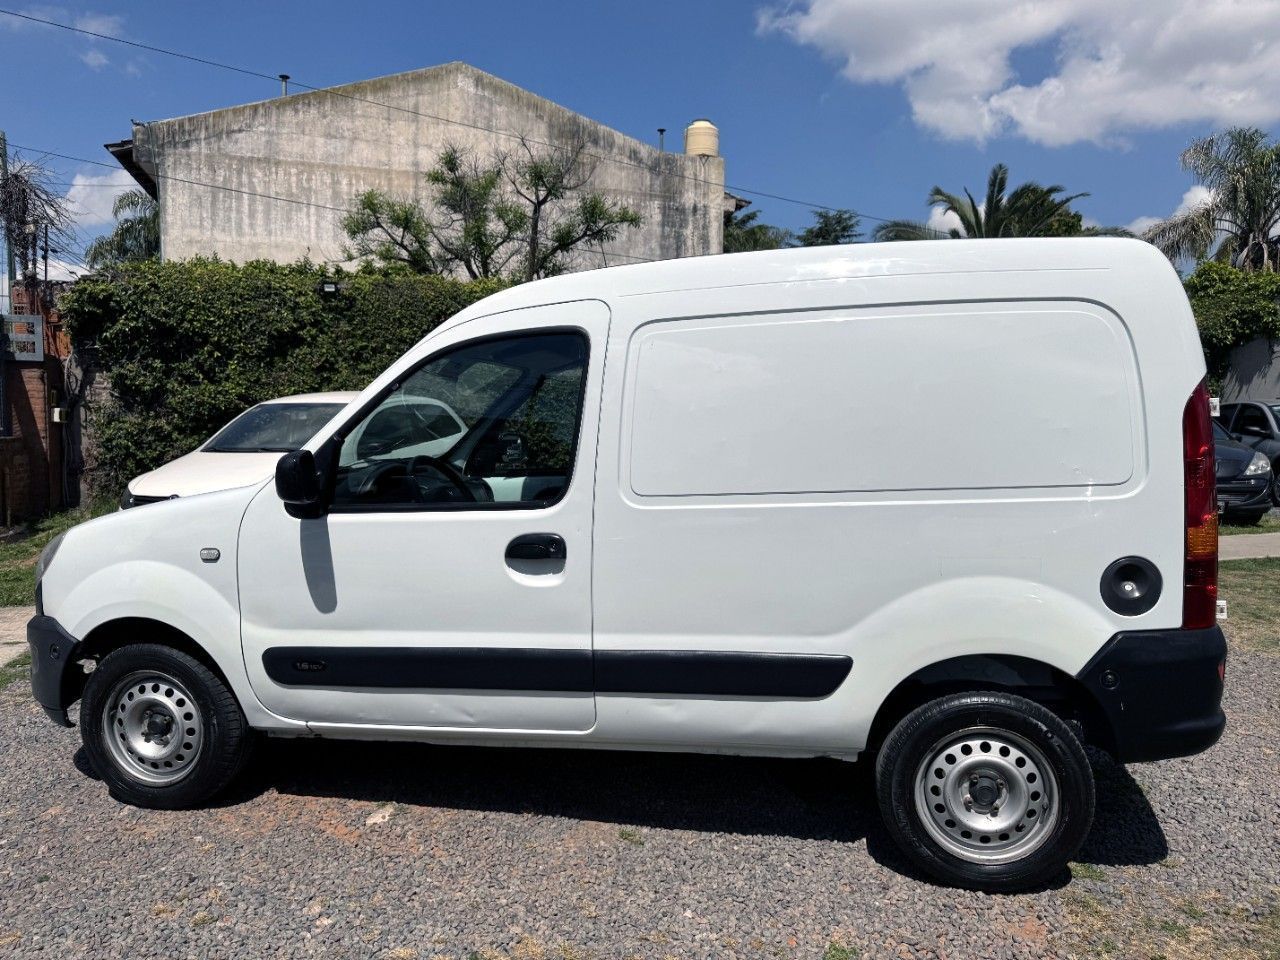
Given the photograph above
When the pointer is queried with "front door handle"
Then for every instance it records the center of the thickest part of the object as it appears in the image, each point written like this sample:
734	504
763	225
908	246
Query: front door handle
537	546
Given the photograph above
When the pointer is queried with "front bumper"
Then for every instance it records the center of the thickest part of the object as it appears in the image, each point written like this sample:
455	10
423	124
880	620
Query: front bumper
57	678
1161	691
1245	494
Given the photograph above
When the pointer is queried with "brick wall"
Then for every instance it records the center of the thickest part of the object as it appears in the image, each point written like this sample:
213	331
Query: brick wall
31	455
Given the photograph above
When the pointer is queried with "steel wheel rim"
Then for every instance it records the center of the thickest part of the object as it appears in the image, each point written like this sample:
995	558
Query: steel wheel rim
152	727
987	795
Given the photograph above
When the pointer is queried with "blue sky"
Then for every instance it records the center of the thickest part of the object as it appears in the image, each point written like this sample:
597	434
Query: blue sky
850	103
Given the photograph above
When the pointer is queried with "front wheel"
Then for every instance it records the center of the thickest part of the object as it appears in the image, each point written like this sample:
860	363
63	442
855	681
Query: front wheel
161	729
988	791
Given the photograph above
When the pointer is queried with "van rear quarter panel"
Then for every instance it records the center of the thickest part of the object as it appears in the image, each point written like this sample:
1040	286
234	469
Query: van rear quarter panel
902	469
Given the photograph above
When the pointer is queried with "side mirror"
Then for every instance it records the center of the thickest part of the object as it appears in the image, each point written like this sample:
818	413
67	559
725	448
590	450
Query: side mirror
298	485
1237	437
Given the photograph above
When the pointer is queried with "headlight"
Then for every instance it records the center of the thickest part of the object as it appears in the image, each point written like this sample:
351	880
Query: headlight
1259	464
47	555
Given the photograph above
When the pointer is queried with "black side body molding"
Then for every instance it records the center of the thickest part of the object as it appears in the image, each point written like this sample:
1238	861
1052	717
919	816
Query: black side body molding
707	673
1161	691
656	672
430	668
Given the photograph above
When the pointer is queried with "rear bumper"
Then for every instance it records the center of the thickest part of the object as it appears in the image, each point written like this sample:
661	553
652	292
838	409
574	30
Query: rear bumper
1161	691
57	678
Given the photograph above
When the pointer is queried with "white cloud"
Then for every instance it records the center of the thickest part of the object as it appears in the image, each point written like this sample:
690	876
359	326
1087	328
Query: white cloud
94	59
108	24
1119	65
62	269
1194	197
90	197
944	220
1142	224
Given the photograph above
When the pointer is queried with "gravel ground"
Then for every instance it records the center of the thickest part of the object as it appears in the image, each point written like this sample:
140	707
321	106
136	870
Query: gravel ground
404	851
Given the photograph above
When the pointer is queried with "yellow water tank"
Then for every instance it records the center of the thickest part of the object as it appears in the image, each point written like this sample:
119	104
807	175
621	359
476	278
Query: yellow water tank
702	139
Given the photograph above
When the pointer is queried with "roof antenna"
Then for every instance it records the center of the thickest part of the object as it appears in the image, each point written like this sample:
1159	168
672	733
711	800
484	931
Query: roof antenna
284	84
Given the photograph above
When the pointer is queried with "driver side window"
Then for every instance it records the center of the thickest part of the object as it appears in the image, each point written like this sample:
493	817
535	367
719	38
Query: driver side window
485	425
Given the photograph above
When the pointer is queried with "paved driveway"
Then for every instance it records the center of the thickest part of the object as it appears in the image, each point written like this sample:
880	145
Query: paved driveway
1244	546
13	632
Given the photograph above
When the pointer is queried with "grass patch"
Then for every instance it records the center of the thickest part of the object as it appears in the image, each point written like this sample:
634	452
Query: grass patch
630	836
1252	591
1087	871
1173	929
18	556
836	952
14	670
1270	523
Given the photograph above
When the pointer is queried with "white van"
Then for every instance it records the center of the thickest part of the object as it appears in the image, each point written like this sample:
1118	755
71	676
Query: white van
950	504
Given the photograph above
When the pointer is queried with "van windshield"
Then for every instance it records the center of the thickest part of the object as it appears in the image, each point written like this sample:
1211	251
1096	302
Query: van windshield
273	428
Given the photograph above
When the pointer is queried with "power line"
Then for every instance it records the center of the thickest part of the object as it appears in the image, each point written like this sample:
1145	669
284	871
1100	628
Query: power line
248	193
186	180
390	106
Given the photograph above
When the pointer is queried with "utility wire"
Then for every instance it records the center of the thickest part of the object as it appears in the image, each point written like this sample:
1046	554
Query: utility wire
390	106
247	193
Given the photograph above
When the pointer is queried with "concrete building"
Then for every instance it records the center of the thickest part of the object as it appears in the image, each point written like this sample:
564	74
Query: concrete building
272	179
1254	373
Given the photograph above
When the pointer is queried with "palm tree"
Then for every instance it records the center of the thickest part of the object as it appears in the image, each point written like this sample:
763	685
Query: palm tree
136	235
743	233
1238	222
1031	210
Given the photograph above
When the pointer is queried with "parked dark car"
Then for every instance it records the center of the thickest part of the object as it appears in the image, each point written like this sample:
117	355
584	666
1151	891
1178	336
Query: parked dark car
1246	482
1256	423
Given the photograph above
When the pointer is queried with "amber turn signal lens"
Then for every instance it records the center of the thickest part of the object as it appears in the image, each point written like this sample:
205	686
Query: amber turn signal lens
1202	540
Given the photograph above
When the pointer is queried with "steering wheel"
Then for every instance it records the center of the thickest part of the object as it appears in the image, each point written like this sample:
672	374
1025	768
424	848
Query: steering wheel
448	471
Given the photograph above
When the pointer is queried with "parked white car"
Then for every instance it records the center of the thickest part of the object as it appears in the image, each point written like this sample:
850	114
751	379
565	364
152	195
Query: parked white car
683	514
245	451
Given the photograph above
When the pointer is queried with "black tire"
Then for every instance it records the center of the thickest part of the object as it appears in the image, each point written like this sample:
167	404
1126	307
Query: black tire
913	742
226	740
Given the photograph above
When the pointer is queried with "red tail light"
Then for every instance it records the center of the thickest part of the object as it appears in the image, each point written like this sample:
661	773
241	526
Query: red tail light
1200	574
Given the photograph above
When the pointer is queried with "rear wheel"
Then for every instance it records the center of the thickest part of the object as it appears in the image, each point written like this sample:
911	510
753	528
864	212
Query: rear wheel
989	791
161	728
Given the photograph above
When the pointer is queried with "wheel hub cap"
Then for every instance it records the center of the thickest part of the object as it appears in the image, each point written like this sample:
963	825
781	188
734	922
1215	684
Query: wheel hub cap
152	728
986	795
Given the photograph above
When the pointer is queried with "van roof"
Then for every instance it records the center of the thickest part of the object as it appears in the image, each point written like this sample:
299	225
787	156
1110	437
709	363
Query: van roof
850	261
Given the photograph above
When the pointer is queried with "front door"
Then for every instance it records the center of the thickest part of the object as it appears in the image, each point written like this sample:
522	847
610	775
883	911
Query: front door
448	585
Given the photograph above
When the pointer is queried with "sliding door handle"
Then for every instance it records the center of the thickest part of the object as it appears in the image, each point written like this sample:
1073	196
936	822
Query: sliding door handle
537	546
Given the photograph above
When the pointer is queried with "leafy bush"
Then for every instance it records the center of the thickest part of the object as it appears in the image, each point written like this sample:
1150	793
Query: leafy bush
1232	308
187	345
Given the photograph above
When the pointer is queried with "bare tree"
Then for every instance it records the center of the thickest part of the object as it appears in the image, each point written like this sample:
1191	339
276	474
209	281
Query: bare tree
33	214
546	181
391	231
519	216
474	224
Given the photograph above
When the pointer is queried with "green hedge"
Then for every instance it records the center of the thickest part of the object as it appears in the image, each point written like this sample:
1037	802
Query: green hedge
187	345
1232	308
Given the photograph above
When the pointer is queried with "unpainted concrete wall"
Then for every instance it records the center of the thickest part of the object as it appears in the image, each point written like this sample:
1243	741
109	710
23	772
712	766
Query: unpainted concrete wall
326	149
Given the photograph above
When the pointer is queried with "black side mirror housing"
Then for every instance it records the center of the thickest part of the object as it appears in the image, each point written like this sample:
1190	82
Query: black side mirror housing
298	484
